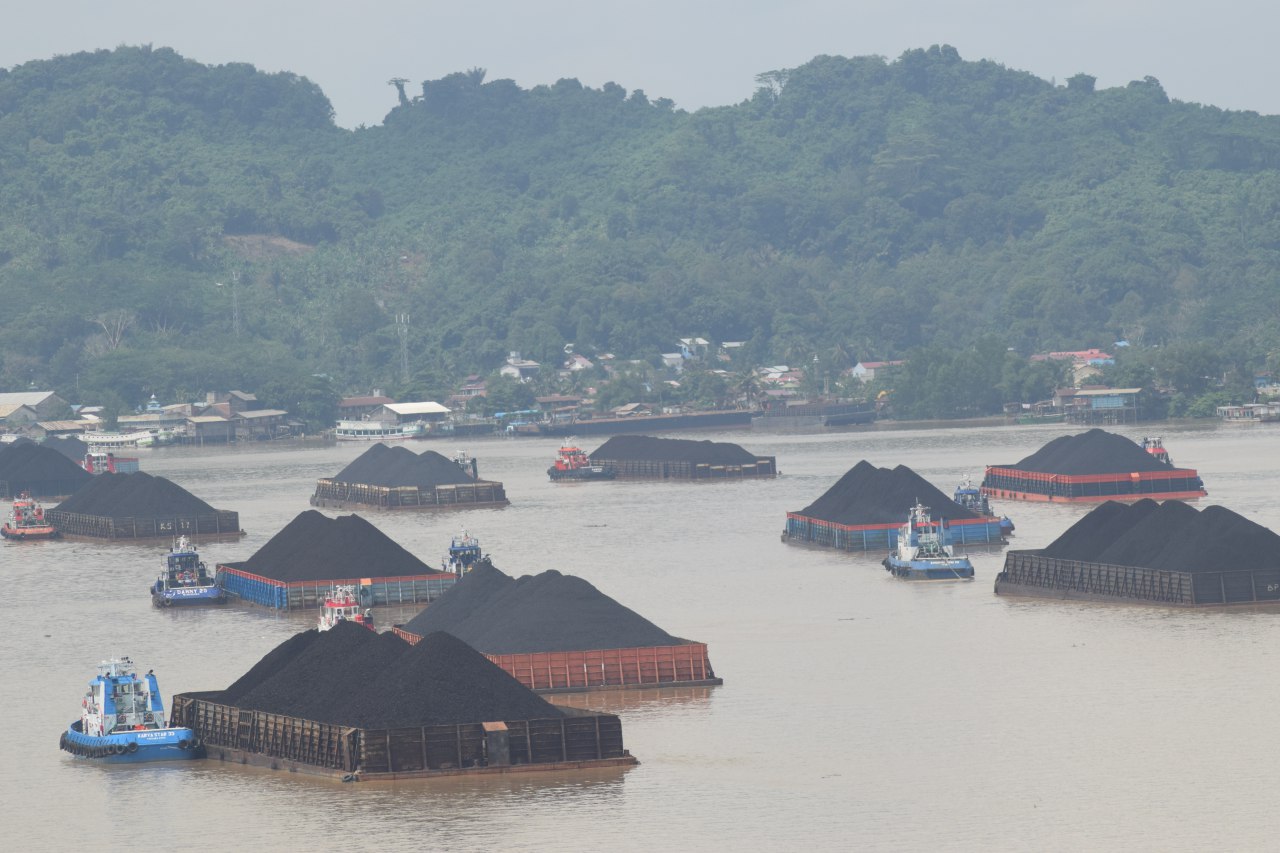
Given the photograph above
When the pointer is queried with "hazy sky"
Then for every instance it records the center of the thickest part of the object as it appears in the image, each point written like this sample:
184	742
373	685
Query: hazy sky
696	52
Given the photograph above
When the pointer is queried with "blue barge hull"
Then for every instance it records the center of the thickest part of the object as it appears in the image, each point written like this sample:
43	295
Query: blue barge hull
882	537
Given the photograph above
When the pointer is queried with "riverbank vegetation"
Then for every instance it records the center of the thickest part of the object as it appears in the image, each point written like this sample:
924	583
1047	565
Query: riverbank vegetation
959	211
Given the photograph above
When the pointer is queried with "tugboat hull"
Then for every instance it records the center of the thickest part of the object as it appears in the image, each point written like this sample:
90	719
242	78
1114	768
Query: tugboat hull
188	597
22	533
132	747
930	570
597	472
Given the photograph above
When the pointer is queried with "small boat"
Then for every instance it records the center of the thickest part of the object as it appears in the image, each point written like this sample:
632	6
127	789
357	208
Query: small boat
971	497
921	555
468	464
185	579
1155	446
122	720
464	552
342	605
106	462
27	521
573	464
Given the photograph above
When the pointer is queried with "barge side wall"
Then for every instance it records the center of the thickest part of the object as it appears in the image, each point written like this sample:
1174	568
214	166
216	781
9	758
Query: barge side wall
685	665
1031	574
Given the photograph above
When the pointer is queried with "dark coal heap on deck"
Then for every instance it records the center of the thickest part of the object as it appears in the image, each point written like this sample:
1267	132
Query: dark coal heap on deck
136	495
1171	536
547	612
316	547
69	446
351	676
870	495
381	465
25	464
1094	452
644	448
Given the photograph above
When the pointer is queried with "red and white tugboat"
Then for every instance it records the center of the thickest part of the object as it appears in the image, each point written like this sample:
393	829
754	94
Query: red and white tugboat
342	605
27	521
1155	446
573	464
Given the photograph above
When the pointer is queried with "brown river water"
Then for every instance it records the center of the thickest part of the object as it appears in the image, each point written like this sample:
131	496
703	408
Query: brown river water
858	711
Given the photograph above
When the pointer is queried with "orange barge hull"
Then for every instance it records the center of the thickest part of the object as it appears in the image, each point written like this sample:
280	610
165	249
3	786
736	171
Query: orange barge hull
685	665
1013	484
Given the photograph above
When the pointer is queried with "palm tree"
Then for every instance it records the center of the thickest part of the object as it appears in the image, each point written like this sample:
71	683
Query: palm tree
747	385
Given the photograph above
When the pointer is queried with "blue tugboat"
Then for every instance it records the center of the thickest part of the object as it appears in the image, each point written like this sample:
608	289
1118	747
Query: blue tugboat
122	721
921	556
464	552
185	579
971	497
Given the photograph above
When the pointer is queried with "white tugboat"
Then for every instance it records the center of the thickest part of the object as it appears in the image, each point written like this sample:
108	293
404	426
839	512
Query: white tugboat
342	605
122	720
921	555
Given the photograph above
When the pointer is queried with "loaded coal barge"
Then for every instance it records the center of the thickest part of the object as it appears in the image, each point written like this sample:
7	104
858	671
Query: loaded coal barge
300	565
643	457
1091	467
355	705
386	477
1166	554
863	511
557	633
139	506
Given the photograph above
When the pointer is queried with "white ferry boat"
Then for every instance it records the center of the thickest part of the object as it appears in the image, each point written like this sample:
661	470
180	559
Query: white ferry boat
376	431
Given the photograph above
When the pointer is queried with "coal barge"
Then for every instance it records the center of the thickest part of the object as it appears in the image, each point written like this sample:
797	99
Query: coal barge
386	477
1090	467
863	511
641	457
38	471
139	506
300	565
557	633
1149	553
354	705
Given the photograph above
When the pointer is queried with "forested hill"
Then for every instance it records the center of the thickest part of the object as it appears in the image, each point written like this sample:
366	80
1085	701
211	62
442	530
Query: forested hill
872	205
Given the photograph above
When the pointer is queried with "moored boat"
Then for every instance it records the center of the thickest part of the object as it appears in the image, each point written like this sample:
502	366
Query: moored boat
27	521
574	464
122	720
376	431
185	579
971	497
920	554
343	605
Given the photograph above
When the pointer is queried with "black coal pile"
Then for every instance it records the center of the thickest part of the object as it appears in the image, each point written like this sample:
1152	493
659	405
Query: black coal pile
316	547
870	495
643	448
274	661
547	612
441	681
25	462
1094	452
1171	537
381	465
351	676
69	446
136	495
